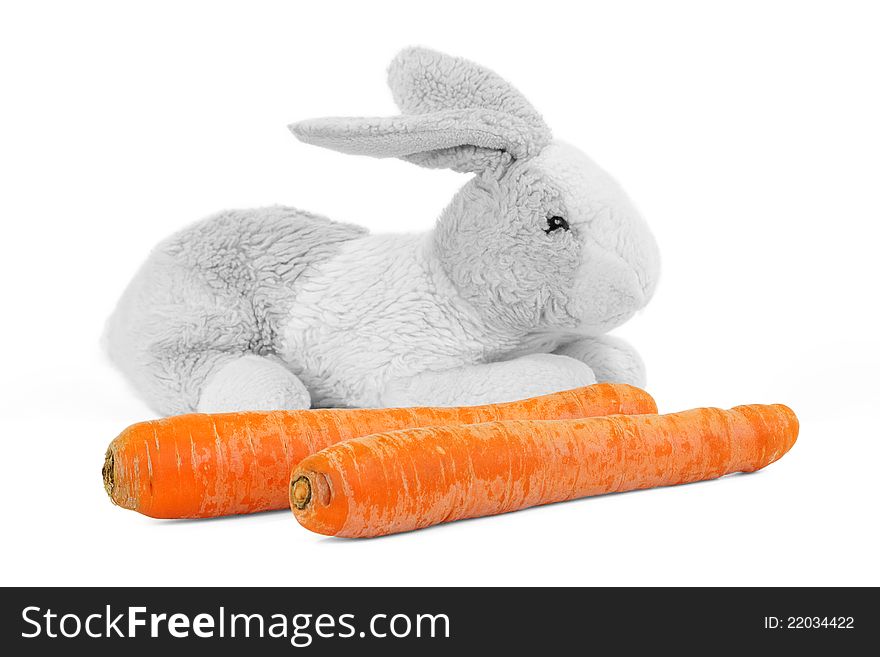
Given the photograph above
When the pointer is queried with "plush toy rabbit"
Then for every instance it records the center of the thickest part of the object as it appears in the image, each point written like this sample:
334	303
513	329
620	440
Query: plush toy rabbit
510	296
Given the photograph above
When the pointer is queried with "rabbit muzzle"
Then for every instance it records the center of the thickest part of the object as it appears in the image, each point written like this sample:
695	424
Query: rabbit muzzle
607	291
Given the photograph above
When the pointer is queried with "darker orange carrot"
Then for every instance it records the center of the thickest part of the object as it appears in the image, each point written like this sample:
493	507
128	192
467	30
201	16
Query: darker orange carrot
403	480
200	466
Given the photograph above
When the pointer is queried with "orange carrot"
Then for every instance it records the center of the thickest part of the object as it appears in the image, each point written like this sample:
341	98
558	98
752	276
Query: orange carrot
404	480
200	466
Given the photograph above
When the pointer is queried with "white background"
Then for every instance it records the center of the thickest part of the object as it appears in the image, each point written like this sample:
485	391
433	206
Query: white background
746	132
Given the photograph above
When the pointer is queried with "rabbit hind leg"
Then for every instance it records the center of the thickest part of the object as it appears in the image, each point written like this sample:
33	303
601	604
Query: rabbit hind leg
189	346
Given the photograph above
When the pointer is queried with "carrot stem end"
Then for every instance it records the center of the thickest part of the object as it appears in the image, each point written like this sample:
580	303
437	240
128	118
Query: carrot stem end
107	472
301	492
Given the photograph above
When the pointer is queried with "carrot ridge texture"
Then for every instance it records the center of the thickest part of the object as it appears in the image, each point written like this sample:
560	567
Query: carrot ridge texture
202	465
404	480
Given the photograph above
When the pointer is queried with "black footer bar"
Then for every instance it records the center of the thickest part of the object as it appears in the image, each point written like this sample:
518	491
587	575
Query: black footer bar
427	621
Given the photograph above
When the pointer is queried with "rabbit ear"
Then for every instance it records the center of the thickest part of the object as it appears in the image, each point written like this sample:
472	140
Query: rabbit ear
467	139
424	80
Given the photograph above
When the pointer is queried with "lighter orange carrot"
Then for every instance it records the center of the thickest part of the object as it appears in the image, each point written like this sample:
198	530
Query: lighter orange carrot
200	466
403	480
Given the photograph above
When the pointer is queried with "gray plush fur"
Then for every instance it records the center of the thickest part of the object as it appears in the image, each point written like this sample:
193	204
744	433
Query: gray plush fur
215	291
456	115
277	308
417	134
423	81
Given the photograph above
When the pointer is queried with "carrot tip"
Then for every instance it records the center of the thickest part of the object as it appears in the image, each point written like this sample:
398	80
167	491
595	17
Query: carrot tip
107	472
301	492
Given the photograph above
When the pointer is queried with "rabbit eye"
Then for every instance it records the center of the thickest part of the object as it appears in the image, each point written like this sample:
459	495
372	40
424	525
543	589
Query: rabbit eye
555	223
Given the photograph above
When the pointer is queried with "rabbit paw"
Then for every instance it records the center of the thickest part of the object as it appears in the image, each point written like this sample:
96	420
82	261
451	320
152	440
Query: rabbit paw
489	383
547	373
252	383
612	359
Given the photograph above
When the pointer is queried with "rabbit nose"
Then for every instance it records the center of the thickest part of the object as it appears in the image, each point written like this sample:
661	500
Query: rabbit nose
627	292
646	283
609	290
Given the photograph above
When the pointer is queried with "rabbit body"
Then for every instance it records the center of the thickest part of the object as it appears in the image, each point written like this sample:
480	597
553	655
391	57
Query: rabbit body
369	323
510	296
